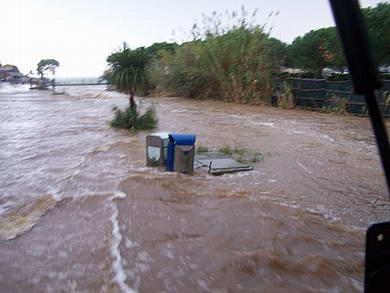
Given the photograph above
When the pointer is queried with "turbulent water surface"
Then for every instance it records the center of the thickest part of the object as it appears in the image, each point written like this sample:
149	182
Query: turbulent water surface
80	212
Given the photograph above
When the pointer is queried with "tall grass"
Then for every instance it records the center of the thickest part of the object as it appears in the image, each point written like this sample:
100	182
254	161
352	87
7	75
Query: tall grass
233	62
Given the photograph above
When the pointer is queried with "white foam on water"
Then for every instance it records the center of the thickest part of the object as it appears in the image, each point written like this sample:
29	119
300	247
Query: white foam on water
57	196
287	204
239	174
326	213
327	137
5	207
306	132
167	252
183	111
203	285
237	116
130	244
7	88
120	275
303	167
269	124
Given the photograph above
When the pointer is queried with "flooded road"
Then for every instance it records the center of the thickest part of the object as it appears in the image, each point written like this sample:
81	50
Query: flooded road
79	211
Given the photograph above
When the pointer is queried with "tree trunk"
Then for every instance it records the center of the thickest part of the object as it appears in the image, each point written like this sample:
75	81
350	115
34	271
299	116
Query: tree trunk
53	83
133	105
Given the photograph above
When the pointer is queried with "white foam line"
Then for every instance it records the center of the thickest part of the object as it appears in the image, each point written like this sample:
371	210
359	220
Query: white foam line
6	206
269	124
120	275
302	166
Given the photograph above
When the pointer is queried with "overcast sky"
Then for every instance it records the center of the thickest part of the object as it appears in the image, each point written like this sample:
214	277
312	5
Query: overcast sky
81	33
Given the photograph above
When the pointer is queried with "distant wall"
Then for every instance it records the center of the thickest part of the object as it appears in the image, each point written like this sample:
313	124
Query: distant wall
321	93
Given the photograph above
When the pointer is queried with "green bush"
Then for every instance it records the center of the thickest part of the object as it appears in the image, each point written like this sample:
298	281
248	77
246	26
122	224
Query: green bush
335	105
232	63
133	120
226	149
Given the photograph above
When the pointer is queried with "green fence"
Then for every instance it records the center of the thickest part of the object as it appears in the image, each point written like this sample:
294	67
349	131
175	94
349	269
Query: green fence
322	94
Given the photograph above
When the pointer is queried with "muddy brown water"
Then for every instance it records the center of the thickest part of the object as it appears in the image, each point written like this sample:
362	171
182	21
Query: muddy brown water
79	211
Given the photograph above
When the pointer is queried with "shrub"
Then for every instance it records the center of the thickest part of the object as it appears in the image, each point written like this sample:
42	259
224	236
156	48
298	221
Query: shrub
232	63
286	96
336	106
226	149
133	120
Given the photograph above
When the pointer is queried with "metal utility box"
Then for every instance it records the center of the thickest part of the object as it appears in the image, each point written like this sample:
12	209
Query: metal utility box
181	152
184	159
156	149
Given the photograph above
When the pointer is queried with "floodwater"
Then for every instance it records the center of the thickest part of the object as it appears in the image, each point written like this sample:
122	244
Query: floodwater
80	212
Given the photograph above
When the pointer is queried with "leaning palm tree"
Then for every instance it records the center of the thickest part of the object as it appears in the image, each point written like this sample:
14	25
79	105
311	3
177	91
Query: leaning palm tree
128	71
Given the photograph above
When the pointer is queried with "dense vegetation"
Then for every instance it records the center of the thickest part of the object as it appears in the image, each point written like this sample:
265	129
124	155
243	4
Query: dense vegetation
233	63
316	50
322	48
378	22
238	62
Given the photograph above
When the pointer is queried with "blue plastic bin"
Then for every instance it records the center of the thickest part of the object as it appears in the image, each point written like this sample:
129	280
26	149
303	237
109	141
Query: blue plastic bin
177	139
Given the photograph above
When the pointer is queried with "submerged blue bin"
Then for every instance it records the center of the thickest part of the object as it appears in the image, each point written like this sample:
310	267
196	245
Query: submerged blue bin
174	140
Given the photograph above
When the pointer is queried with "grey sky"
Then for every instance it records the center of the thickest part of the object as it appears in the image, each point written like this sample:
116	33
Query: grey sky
81	33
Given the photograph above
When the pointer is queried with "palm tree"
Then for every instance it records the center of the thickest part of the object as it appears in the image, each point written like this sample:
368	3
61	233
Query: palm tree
128	71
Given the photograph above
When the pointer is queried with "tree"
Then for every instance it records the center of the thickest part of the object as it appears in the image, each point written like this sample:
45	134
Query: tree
278	51
128	71
47	65
378	23
316	50
321	48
